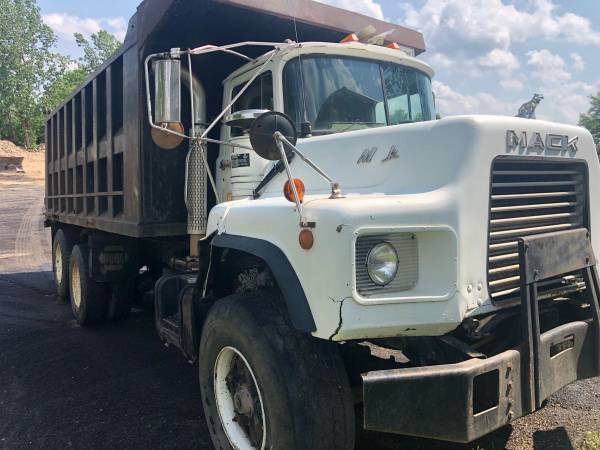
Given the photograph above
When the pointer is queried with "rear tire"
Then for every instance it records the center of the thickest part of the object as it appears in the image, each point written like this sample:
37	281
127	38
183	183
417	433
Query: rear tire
62	246
256	369
88	298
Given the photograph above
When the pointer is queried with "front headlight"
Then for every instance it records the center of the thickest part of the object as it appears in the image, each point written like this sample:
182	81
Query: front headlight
382	264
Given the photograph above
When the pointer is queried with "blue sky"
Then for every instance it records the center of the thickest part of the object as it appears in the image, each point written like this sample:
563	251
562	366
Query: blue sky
489	55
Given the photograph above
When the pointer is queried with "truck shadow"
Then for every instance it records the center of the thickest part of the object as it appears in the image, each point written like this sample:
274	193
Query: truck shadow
556	438
370	440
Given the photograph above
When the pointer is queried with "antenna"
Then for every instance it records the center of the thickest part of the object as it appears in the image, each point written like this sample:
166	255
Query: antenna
304	122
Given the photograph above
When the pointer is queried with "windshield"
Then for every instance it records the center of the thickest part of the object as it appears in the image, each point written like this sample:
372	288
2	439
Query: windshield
336	93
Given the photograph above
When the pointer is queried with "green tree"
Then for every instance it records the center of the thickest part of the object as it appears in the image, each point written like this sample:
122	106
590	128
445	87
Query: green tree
62	87
591	120
102	46
27	68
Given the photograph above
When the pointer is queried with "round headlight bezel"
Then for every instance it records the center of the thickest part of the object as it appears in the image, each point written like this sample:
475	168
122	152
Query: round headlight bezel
373	266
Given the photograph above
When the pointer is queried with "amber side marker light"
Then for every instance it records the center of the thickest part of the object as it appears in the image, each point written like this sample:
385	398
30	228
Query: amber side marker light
288	192
306	239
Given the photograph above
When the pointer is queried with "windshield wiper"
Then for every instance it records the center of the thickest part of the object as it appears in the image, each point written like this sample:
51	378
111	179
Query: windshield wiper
275	170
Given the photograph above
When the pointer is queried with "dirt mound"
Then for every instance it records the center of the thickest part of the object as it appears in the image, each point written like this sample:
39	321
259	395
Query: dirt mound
7	148
33	164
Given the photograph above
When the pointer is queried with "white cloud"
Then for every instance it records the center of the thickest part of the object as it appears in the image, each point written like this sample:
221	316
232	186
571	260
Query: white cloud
547	67
470	39
65	25
460	26
502	61
451	102
568	100
367	7
512	84
578	63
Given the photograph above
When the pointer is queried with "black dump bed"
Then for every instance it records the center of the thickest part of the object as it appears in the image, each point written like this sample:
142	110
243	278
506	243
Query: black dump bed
103	169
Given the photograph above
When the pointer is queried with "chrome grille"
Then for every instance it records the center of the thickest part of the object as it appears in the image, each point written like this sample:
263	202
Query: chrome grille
408	266
531	197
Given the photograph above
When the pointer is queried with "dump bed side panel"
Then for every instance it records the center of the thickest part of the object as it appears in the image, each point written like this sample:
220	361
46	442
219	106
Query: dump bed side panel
92	156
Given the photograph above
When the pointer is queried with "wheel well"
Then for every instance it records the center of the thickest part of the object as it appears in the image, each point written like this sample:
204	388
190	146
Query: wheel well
238	271
260	254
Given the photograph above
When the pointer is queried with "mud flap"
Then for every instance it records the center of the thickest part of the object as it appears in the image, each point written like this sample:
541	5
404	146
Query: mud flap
112	259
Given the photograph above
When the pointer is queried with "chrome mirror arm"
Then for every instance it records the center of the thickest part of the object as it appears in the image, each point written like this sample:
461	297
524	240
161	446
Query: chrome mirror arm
277	136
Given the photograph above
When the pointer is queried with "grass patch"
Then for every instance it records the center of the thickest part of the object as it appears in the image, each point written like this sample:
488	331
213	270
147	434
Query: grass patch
592	441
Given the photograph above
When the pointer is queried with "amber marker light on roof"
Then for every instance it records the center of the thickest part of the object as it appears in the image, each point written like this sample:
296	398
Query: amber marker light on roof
393	45
350	38
288	192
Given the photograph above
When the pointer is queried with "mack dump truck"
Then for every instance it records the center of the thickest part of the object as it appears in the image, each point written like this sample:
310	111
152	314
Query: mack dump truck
329	255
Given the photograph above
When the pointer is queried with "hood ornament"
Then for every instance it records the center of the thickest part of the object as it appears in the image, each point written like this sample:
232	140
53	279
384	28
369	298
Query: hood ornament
527	110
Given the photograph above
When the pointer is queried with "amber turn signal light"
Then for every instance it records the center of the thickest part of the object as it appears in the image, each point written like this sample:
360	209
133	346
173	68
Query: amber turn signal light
288	192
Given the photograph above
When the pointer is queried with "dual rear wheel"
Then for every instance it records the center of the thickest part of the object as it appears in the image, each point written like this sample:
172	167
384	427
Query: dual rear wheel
91	302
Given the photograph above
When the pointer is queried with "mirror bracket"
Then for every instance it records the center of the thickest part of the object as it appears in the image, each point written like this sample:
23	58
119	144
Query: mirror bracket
336	189
279	140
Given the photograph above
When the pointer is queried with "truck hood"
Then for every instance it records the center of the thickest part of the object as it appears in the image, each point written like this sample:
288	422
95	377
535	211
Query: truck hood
423	157
430	179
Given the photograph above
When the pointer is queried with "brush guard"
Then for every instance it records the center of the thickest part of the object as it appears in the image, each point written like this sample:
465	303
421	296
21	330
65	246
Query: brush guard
464	401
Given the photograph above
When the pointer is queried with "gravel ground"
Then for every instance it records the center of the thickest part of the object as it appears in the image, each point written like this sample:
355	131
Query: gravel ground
116	386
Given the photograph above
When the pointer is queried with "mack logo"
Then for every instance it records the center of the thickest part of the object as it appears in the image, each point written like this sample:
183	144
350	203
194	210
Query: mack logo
539	143
368	154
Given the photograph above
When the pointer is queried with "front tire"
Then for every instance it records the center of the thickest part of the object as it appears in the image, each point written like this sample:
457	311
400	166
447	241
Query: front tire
88	298
266	385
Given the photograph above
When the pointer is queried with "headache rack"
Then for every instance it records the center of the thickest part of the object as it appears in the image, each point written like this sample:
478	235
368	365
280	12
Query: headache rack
531	196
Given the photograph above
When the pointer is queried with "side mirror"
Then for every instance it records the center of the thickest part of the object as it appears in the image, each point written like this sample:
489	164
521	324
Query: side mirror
262	131
244	119
167	88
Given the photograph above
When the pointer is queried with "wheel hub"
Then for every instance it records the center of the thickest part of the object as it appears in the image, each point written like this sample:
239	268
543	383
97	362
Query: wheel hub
76	285
242	400
239	401
58	269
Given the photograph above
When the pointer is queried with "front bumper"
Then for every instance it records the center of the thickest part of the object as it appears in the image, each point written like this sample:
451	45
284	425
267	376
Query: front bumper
462	402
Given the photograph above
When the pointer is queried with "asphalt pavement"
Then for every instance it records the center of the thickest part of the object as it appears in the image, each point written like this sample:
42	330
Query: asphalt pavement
117	386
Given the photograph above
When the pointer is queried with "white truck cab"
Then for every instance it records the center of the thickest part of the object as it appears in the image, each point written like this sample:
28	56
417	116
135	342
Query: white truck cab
365	86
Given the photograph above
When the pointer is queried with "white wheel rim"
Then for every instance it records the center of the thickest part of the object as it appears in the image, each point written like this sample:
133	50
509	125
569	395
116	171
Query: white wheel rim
75	285
237	436
58	268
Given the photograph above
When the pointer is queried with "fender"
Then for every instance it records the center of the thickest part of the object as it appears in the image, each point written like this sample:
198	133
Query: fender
282	270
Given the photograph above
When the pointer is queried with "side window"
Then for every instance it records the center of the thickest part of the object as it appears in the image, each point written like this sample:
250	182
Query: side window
397	91
259	95
408	94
